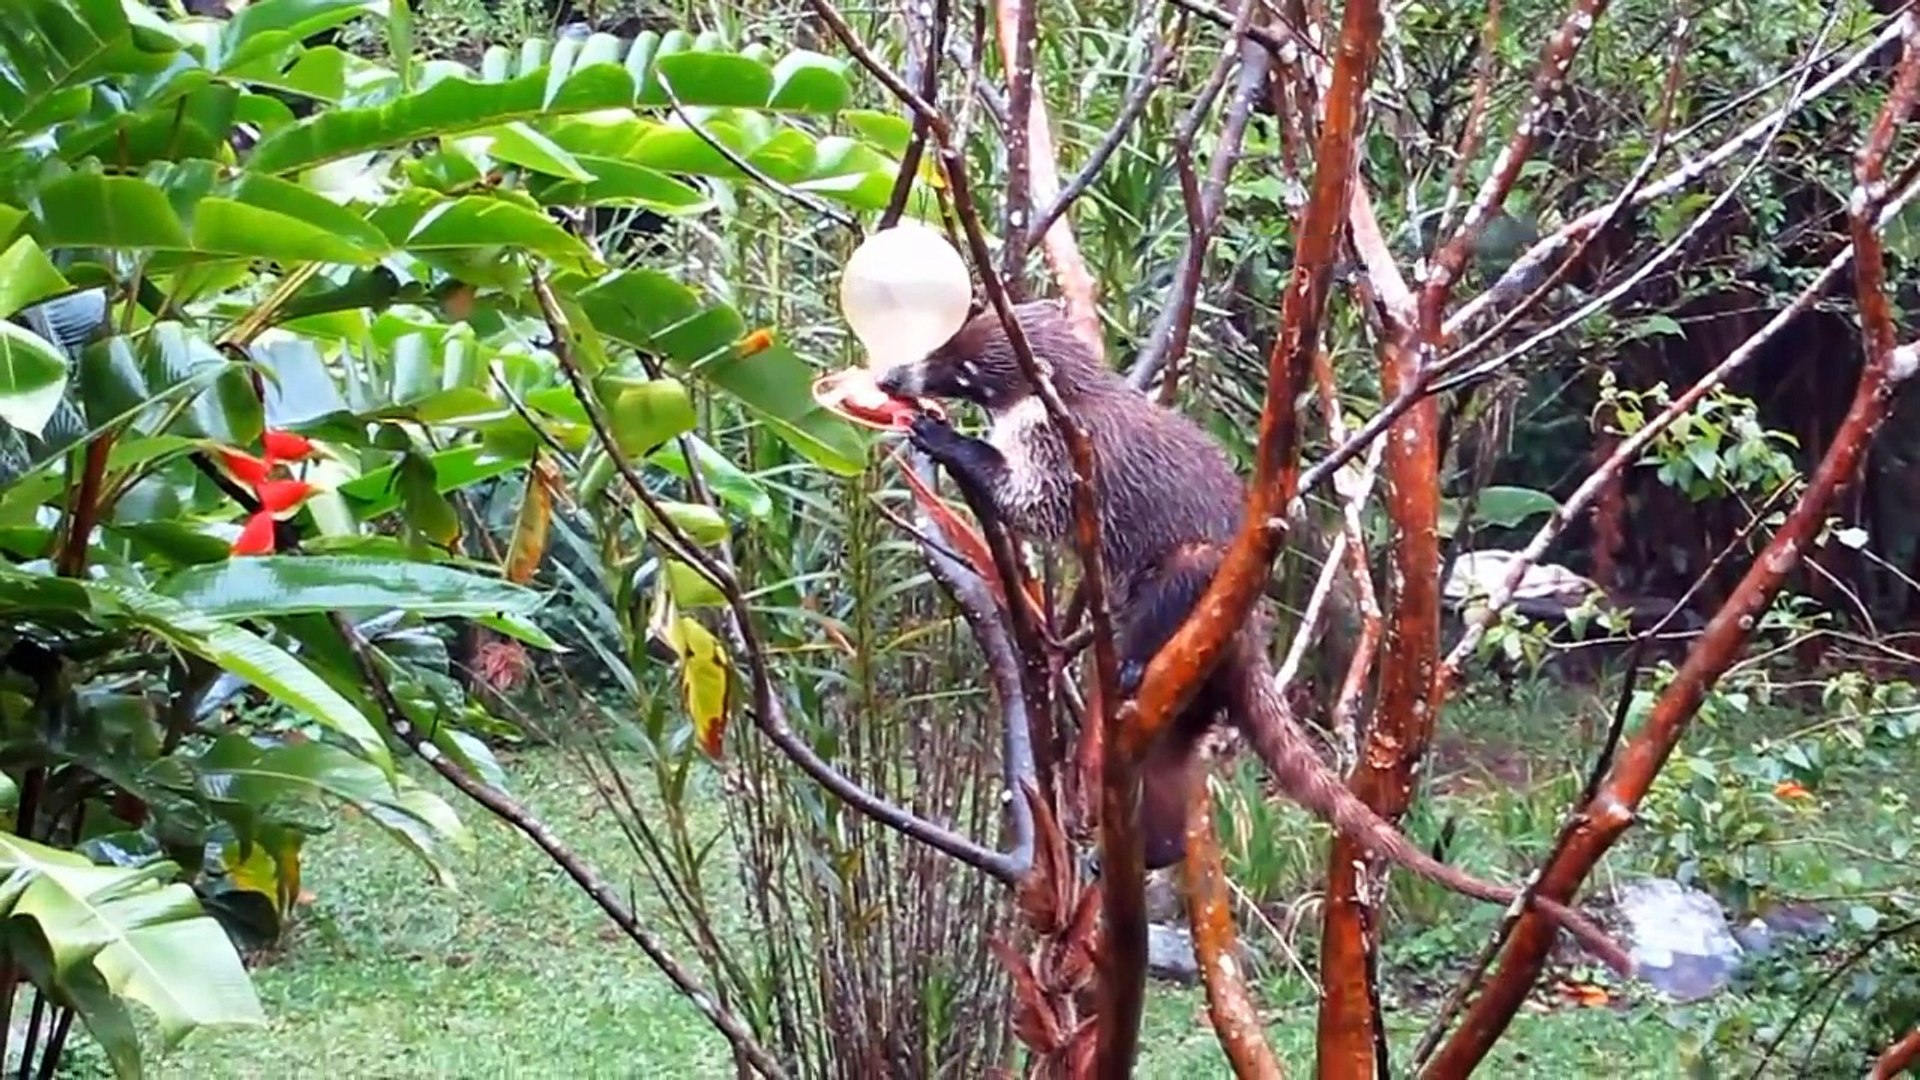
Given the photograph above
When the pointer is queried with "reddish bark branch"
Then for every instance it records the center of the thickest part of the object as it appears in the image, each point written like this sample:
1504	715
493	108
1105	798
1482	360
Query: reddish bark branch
1178	669
1236	1020
1898	1058
1608	815
1402	726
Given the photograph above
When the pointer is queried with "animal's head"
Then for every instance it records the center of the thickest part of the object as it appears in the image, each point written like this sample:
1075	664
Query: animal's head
978	364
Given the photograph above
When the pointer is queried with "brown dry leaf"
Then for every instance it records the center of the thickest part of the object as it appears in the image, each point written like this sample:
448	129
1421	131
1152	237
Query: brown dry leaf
1034	1022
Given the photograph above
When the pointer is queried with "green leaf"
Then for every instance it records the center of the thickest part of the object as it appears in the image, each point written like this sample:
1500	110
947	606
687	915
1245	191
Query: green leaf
1506	507
423	504
375	492
124	212
583	78
476	221
701	523
44	71
237	770
33	378
621	183
120	377
518	144
27	277
654	313
119	930
809	82
275	585
270	26
233	649
645	415
888	131
719	79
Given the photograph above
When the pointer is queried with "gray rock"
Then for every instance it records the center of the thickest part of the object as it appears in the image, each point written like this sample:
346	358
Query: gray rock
1679	938
1170	954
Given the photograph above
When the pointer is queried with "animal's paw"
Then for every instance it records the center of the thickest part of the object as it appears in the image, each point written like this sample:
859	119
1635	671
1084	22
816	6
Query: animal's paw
933	436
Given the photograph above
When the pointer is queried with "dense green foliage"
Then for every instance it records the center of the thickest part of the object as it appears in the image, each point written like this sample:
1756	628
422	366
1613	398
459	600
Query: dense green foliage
445	246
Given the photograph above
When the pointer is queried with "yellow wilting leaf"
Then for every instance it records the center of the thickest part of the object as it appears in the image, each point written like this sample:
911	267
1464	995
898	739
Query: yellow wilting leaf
703	674
274	875
530	528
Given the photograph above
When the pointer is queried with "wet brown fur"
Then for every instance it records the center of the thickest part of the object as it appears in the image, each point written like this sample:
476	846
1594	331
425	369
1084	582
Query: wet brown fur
1170	503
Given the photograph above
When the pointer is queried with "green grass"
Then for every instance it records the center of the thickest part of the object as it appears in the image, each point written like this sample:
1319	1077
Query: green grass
515	973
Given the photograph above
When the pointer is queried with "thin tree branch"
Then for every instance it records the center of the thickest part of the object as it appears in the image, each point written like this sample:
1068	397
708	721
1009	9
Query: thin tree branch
1530	266
1144	85
1122	854
834	214
1036	182
1167	341
1555	63
983	615
1178	669
929	91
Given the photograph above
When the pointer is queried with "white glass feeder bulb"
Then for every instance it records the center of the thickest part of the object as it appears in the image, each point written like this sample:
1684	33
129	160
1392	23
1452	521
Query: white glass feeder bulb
904	292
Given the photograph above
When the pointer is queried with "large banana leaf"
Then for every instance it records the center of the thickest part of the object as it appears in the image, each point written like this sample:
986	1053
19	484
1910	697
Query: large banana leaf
104	935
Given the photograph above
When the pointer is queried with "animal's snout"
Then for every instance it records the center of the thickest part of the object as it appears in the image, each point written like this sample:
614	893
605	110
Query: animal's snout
899	381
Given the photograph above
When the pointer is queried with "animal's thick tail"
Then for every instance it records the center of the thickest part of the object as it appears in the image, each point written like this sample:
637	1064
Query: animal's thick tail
1298	770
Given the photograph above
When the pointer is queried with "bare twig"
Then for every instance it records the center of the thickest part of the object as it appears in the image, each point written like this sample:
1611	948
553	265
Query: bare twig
1530	266
983	615
1167	342
1177	670
834	214
1033	174
1555	63
1136	103
929	90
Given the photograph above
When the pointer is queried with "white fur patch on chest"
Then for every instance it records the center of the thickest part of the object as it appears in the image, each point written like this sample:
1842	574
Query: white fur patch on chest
1034	495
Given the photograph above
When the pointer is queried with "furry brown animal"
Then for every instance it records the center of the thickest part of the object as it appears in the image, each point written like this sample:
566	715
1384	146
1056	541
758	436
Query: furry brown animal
1170	503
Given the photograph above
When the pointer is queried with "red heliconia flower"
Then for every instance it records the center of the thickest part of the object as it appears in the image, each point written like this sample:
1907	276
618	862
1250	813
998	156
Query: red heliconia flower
256	538
286	446
245	468
277	496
